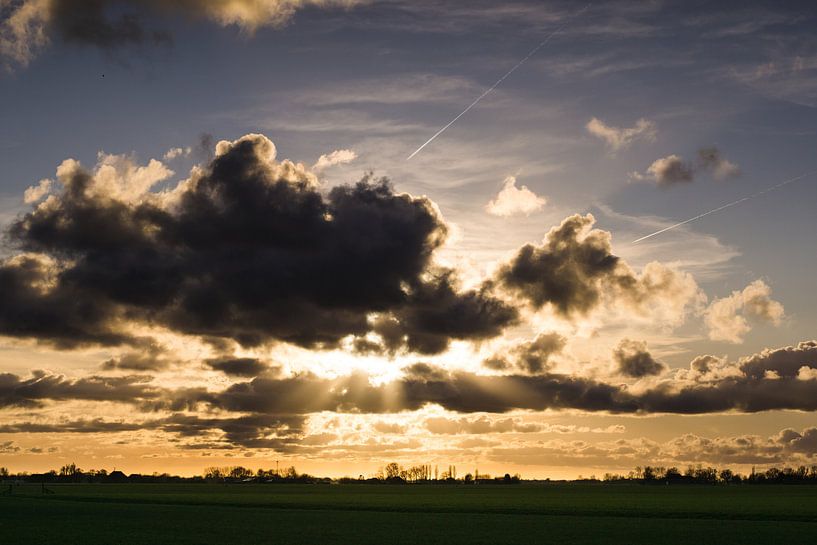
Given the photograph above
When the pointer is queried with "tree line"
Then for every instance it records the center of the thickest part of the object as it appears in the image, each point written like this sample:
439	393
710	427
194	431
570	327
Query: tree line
709	475
394	473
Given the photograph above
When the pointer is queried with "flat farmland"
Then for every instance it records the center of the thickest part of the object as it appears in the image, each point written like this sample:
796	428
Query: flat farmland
383	514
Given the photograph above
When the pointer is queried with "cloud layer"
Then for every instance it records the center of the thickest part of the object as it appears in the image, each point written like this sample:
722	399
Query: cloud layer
30	24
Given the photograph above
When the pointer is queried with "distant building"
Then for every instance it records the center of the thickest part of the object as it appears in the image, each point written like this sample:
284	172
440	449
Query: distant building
117	476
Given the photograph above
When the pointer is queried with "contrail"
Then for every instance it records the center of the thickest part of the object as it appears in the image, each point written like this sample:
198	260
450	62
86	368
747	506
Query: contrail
500	80
727	205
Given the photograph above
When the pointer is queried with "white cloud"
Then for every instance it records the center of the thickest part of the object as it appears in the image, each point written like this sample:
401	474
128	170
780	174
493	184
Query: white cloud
619	138
116	176
173	153
337	157
37	192
726	318
512	200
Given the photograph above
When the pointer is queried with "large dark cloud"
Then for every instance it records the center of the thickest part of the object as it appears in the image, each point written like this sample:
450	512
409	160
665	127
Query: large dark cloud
574	267
566	270
248	249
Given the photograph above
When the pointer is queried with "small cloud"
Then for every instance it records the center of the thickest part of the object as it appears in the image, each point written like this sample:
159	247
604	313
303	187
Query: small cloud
37	192
337	157
726	318
174	153
634	360
711	160
673	169
8	447
667	171
619	138
512	200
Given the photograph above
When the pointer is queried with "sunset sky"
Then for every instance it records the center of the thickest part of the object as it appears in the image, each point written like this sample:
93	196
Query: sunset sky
216	252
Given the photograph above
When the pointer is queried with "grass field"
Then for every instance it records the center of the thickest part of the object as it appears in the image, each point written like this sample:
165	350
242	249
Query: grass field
323	514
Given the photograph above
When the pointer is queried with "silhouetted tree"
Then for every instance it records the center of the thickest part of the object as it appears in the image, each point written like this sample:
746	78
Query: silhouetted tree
392	471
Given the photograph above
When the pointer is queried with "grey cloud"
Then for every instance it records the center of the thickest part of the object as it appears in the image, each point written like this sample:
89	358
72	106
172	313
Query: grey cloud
42	386
566	270
150	357
532	357
634	360
785	362
95	425
239	367
673	169
575	265
668	171
711	160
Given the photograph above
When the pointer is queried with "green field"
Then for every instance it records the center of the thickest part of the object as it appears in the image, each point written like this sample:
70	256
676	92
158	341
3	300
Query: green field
322	514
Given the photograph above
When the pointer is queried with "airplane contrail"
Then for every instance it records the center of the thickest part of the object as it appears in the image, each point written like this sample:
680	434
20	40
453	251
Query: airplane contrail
500	80
727	205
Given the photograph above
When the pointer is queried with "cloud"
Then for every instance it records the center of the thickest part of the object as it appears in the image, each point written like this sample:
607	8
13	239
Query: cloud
37	192
726	318
634	360
481	425
8	447
789	446
247	249
272	409
673	169
148	358
239	367
512	200
786	362
574	269
531	357
174	153
30	392
30	24
667	171
337	157
711	160
618	139
733	388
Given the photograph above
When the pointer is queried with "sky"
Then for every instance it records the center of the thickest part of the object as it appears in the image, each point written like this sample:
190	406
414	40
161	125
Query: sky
217	251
